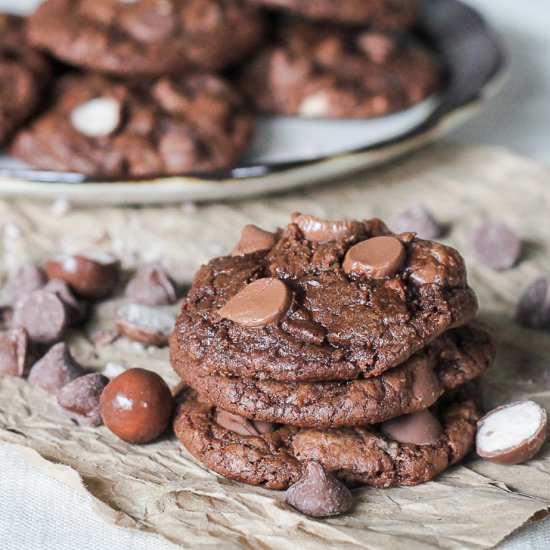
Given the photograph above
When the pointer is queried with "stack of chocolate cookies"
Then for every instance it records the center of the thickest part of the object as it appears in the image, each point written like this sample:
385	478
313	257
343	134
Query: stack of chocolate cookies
124	89
334	342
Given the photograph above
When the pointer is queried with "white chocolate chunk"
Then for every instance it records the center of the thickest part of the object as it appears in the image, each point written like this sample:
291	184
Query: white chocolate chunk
316	105
98	117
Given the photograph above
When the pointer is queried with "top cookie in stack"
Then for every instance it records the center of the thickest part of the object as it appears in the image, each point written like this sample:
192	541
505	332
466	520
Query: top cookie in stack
169	87
330	325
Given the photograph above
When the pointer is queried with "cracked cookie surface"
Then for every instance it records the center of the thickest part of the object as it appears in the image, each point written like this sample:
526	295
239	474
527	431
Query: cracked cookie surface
339	327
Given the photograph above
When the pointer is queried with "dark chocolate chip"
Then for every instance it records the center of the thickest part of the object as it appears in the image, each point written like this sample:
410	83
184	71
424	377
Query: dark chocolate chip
16	352
28	278
533	309
79	399
419	220
56	369
496	245
151	286
260	303
319	494
44	315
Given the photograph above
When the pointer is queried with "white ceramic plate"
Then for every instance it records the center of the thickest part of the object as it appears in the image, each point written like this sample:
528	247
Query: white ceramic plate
290	152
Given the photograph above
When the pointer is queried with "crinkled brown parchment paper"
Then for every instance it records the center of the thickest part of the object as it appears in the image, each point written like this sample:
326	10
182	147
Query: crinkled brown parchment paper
159	487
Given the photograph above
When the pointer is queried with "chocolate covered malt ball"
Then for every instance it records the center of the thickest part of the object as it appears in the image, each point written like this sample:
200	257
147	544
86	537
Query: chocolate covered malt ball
137	405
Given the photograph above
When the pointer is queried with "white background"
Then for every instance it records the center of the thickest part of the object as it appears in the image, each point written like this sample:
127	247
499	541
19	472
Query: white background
36	512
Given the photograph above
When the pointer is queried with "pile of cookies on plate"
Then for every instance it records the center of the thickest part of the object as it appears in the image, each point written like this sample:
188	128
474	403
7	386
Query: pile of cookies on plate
137	89
330	350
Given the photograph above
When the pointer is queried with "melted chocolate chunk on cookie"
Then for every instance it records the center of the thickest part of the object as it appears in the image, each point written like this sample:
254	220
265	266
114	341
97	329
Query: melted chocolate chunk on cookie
106	128
328	72
338	326
147	38
24	75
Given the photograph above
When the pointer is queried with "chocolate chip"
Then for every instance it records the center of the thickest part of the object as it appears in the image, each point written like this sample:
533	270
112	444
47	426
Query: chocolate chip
377	258
28	278
253	239
56	369
533	309
151	286
75	308
319	494
420	428
426	386
419	220
79	399
43	314
261	303
16	352
91	275
496	245
148	325
318	230
243	426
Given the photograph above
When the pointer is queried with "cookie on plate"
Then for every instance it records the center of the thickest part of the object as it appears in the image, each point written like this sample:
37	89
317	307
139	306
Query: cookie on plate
110	129
24	74
149	37
323	300
274	456
380	14
456	357
324	71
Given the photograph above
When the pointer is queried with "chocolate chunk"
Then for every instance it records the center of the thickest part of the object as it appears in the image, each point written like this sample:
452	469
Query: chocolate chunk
92	275
56	369
377	258
253	239
426	386
28	278
151	286
319	494
75	308
243	426
318	230
496	245
43	314
261	303
513	433
148	325
533	309
79	399
15	352
420	428
419	220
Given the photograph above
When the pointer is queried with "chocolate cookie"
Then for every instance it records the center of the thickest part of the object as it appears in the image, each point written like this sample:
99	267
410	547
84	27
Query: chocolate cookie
381	14
362	455
453	359
342	322
149	37
321	71
105	128
24	74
